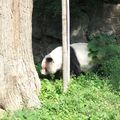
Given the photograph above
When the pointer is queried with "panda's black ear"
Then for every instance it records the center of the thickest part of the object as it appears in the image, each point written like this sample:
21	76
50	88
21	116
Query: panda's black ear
49	59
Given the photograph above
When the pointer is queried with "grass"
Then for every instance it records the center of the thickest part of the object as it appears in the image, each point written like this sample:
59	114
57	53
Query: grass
88	98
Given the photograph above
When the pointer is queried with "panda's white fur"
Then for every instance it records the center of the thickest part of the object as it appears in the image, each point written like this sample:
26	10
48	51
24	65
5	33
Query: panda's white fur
53	61
54	65
82	54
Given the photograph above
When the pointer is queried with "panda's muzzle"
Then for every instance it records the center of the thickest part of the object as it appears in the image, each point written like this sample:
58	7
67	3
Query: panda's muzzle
44	70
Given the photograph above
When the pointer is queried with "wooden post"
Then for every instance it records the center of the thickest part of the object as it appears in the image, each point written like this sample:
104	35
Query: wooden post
66	43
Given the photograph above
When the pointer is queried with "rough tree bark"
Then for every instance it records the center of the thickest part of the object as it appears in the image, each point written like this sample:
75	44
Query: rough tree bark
19	82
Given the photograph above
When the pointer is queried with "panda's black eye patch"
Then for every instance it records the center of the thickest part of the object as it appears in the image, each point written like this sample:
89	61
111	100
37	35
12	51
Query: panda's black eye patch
49	59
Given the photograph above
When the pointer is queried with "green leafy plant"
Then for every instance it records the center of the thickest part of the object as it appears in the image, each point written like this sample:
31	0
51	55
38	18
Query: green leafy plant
106	51
111	69
38	68
102	47
88	98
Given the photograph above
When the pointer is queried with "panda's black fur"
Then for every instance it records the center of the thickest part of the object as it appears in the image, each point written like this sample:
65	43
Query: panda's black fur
74	63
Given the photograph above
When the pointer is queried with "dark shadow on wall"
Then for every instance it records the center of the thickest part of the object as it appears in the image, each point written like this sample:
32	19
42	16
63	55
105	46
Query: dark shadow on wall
87	17
46	28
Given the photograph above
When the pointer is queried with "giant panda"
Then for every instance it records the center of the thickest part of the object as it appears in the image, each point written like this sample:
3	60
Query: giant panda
80	61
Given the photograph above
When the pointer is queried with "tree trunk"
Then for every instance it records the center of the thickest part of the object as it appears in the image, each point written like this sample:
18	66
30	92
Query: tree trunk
19	82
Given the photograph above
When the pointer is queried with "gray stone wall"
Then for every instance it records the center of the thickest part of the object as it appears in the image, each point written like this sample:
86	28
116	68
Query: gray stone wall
90	18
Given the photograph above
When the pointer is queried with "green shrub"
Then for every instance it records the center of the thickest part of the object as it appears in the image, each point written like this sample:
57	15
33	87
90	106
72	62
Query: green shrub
102	47
38	68
106	52
111	69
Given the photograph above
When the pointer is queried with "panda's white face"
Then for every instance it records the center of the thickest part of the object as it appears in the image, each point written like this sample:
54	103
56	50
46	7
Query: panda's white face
52	62
48	66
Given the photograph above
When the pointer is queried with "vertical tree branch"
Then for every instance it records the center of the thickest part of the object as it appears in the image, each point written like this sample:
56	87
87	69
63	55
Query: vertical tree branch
66	43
